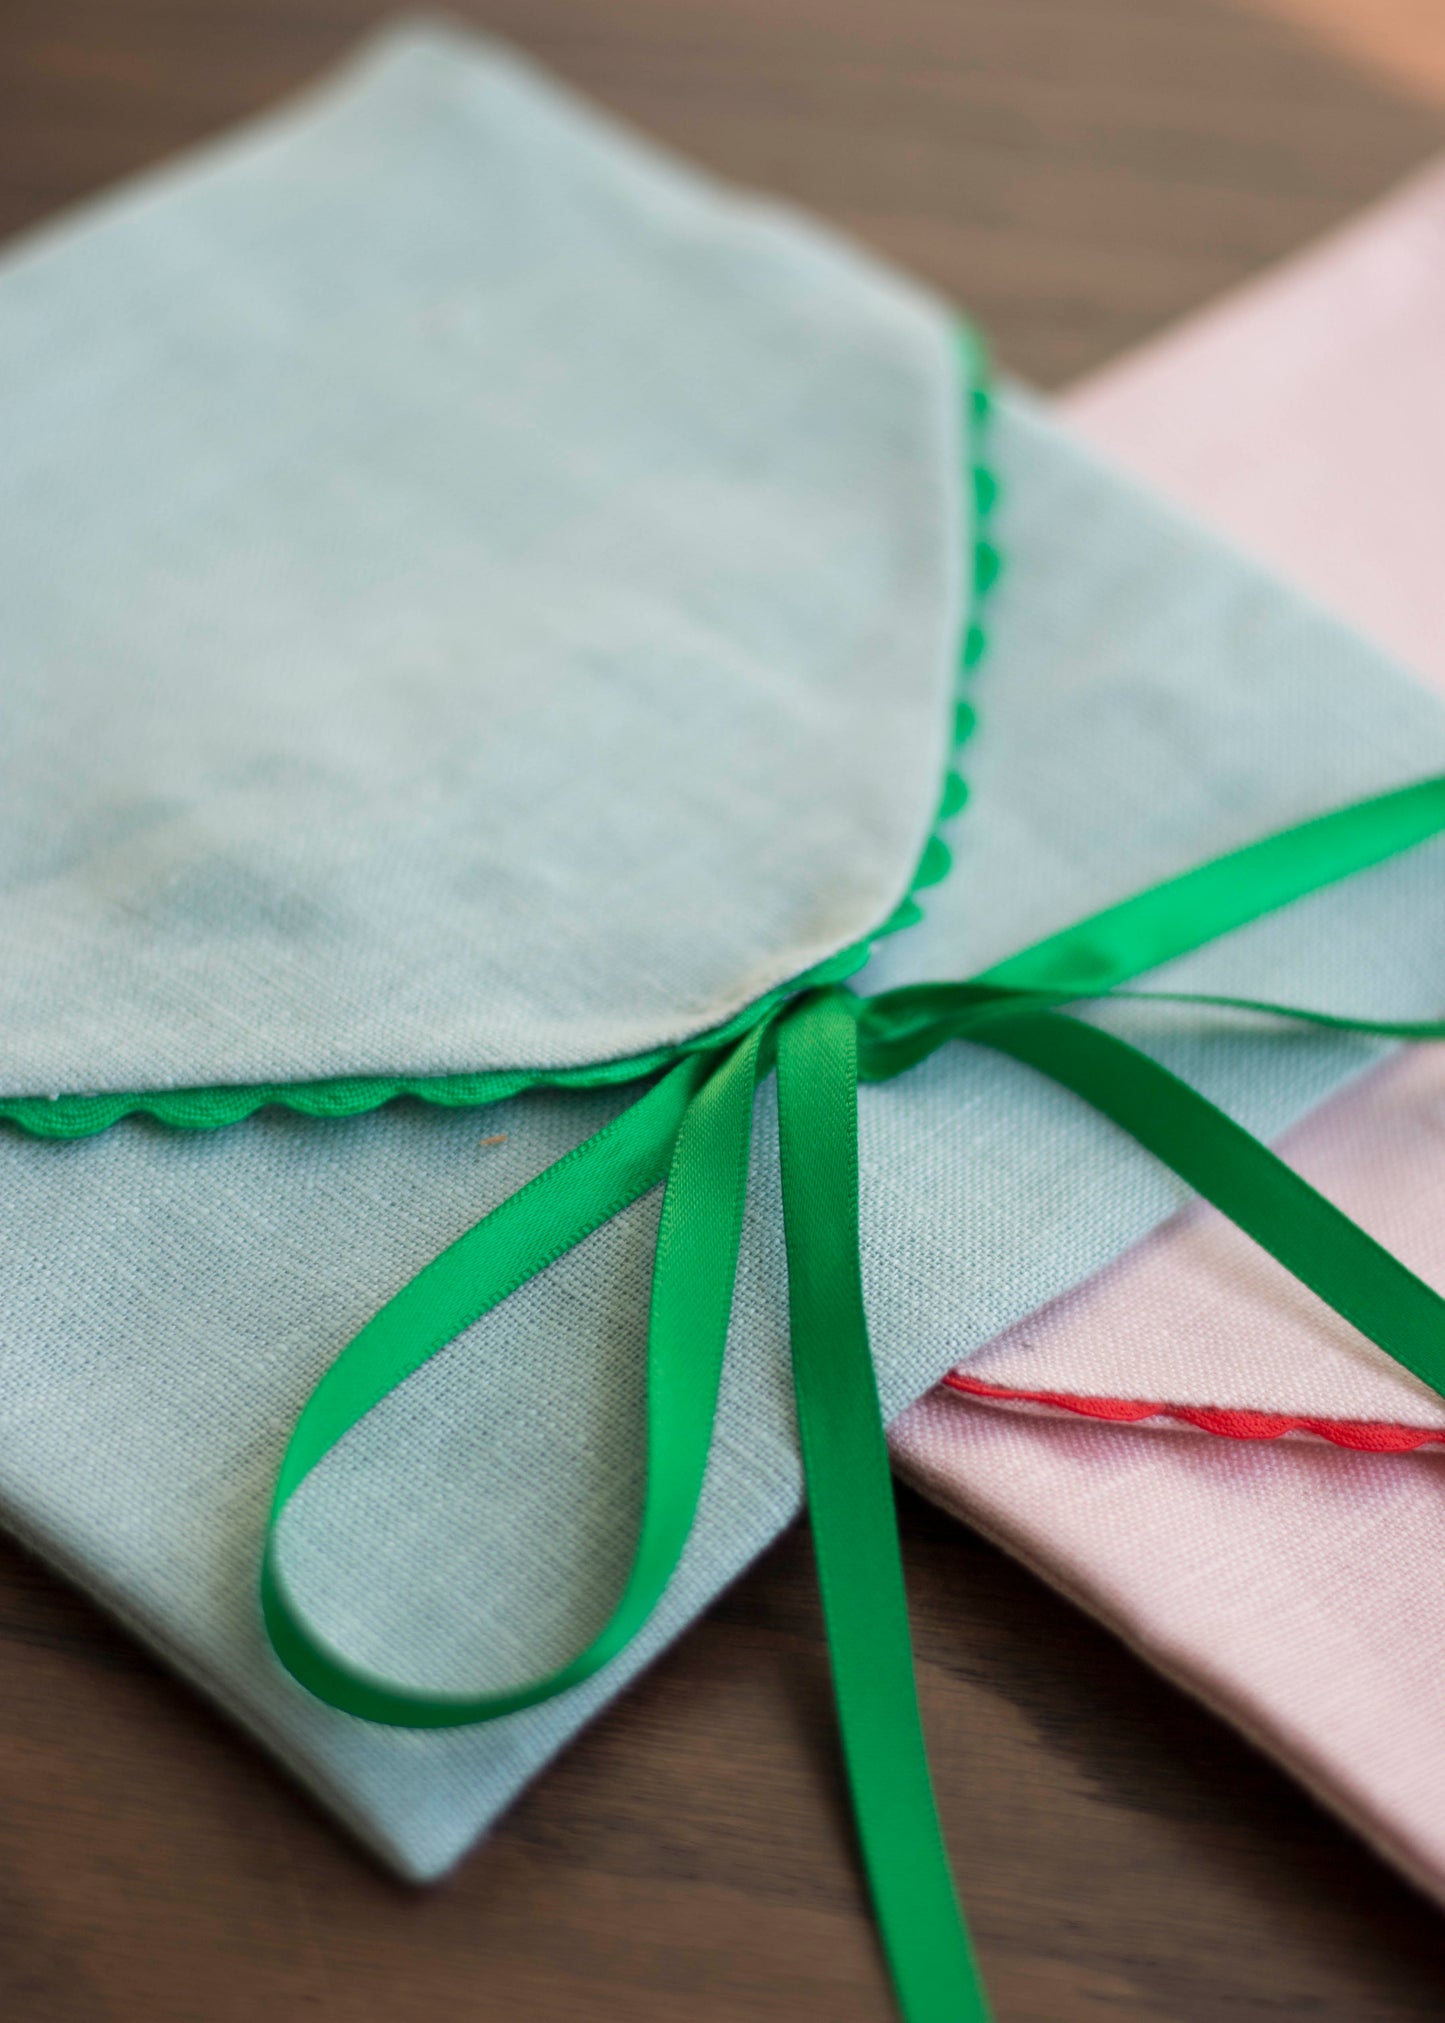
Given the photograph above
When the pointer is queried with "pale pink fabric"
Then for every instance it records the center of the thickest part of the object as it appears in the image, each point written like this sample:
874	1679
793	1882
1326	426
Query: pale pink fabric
1198	1315
1304	416
1294	1586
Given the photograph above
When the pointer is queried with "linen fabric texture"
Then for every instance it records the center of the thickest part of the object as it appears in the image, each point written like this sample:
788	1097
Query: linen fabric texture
443	532
1290	1583
168	1299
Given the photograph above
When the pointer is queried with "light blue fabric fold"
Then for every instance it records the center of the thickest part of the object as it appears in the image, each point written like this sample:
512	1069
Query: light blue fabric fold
476	594
1149	699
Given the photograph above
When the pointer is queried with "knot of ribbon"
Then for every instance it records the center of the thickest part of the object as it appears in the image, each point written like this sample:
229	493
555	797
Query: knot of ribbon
690	1131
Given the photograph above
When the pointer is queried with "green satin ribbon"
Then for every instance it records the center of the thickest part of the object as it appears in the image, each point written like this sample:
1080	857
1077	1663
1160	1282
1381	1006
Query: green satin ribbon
692	1130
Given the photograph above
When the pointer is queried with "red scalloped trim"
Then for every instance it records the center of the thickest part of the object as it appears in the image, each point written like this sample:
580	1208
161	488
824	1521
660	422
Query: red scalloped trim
1367	1436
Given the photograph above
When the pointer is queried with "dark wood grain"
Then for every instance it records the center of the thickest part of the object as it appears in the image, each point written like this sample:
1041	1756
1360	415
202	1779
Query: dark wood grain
1077	172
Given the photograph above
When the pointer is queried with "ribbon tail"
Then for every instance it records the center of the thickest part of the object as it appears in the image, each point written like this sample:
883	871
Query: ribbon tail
855	1536
1315	1241
1181	914
1293	1014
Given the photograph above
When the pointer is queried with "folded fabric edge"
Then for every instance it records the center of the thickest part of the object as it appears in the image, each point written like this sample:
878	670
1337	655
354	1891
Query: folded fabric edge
1211	1690
246	1711
208	1109
399	1853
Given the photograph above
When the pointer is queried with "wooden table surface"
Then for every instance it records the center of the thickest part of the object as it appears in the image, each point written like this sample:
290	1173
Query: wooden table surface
1077	172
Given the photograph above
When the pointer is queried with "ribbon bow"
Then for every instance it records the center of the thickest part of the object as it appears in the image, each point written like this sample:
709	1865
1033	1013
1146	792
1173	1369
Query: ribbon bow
691	1130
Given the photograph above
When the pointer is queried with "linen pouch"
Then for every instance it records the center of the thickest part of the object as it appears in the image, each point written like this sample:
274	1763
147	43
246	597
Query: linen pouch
1191	1445
487	610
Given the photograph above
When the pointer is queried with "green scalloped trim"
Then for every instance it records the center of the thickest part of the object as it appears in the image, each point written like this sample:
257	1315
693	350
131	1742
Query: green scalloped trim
351	1096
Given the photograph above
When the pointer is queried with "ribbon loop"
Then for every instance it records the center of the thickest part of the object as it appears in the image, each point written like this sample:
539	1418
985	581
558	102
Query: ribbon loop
696	1124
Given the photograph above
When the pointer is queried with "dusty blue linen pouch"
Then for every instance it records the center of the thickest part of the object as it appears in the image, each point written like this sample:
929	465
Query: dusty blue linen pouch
485	600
